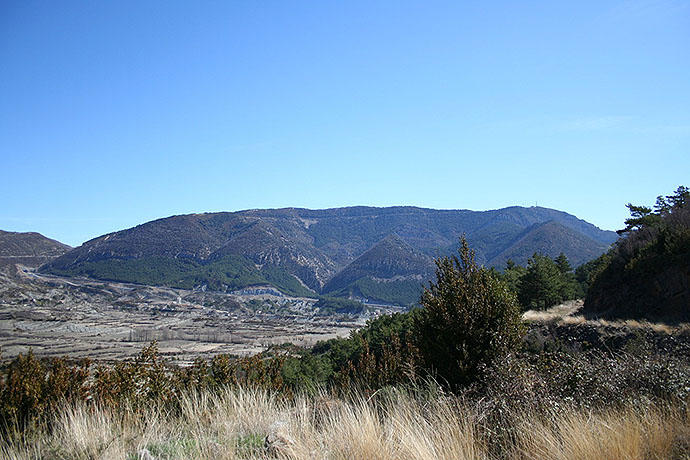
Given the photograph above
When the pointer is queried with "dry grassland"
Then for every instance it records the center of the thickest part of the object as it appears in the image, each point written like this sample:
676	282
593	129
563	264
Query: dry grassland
386	426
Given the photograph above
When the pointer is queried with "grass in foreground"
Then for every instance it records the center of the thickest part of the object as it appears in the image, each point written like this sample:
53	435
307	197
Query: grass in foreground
392	424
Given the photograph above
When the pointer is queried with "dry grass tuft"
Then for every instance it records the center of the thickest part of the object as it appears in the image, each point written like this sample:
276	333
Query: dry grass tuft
577	319
630	433
557	312
566	313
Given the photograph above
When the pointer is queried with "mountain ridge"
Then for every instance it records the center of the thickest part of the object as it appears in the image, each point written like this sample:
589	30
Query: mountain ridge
310	247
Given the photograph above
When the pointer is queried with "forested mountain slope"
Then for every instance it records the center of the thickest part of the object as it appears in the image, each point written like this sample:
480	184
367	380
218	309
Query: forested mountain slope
301	251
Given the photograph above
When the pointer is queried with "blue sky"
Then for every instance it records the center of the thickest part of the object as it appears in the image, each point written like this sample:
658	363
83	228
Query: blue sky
116	113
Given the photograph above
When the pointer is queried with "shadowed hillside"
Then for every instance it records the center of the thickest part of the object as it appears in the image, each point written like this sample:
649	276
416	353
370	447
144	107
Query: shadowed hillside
647	273
391	272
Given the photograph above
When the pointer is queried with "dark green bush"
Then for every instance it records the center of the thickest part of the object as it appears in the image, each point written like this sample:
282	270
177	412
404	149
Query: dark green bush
469	318
381	353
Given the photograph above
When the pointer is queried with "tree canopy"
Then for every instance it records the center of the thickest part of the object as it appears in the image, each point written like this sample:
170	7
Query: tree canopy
544	282
646	217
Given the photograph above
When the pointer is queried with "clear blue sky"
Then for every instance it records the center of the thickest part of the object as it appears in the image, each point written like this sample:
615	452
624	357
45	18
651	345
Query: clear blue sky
116	113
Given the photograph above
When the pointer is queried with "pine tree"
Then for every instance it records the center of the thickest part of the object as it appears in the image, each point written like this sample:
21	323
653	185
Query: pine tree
541	286
569	287
563	264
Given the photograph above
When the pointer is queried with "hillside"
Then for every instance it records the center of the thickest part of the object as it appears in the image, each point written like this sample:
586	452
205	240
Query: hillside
301	251
391	272
266	245
550	238
31	249
646	275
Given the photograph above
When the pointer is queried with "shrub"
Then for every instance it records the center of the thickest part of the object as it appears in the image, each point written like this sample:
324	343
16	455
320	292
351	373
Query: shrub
469	317
31	387
381	353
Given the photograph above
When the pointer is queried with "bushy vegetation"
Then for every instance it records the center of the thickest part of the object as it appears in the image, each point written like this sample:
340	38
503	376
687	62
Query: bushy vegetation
555	374
545	282
382	353
229	407
647	273
537	404
469	317
31	388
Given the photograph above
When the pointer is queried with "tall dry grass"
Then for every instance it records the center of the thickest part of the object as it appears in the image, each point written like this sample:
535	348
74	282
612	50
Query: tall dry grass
627	433
394	424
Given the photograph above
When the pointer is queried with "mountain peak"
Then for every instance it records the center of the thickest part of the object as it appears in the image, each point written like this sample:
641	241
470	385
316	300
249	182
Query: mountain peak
389	259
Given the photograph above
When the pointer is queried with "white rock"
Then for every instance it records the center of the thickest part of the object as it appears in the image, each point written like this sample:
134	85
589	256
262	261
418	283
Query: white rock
144	454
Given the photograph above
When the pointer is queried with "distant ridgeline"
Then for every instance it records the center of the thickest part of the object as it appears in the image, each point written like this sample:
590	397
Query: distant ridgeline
375	255
30	249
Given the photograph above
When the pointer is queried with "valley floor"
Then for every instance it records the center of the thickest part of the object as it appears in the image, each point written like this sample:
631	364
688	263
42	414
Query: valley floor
109	321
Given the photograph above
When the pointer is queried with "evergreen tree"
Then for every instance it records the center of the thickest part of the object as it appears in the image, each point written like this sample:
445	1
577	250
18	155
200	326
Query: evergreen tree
569	287
512	275
563	264
666	205
640	216
644	217
469	317
540	287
